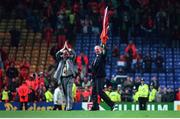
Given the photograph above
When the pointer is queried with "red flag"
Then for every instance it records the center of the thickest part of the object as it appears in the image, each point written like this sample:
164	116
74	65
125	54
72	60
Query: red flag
104	35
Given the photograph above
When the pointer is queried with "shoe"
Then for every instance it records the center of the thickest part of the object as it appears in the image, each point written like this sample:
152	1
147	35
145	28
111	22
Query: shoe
94	108
69	110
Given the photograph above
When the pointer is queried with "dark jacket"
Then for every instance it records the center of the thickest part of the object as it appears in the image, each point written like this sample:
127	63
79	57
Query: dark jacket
98	66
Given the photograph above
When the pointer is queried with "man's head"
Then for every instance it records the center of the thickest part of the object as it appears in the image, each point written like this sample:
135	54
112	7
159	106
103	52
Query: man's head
134	89
142	81
98	49
66	54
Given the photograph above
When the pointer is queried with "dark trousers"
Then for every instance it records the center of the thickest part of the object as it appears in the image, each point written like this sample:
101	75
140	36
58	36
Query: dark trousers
23	104
59	107
142	103
98	84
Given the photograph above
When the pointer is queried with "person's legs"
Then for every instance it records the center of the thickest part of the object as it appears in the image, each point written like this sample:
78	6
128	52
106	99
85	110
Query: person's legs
68	88
21	106
55	107
25	105
59	107
145	103
102	94
140	103
94	95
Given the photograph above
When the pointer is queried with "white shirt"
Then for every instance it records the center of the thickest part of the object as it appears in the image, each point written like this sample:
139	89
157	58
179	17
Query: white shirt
59	98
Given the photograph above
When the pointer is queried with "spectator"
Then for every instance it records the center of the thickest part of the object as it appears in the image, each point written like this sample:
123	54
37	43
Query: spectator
74	89
24	69
159	95
137	81
138	63
23	92
164	95
40	80
40	93
131	50
32	87
59	98
135	94
131	53
119	89
78	81
107	90
12	87
170	95
147	60
178	94
86	94
115	96
154	82
49	95
128	83
5	94
12	73
86	25
152	94
86	83
82	63
78	95
15	37
126	96
159	62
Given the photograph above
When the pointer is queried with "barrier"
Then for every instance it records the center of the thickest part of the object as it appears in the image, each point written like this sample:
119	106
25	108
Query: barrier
87	106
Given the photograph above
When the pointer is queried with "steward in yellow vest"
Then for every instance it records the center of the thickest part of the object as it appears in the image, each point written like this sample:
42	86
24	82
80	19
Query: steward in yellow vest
143	91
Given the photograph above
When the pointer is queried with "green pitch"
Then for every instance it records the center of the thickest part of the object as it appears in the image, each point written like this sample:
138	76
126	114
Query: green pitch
90	114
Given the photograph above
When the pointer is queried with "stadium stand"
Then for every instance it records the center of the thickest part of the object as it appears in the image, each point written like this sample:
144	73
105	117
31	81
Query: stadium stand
83	34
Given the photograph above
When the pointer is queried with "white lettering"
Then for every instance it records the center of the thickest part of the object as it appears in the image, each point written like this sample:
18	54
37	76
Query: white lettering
162	107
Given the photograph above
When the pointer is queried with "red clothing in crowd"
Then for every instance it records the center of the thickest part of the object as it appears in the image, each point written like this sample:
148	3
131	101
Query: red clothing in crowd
23	92
48	32
31	85
78	95
79	61
86	94
39	81
24	70
132	47
178	95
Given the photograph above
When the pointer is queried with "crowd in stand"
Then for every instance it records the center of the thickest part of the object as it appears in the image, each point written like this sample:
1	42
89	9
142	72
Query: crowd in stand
40	85
67	18
132	61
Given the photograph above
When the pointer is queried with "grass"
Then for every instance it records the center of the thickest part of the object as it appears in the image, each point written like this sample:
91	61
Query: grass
90	114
